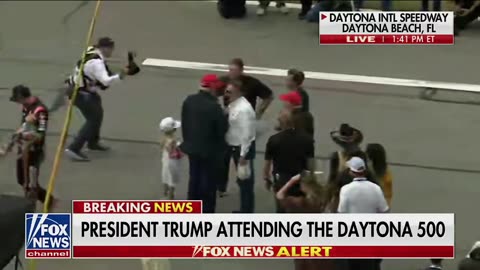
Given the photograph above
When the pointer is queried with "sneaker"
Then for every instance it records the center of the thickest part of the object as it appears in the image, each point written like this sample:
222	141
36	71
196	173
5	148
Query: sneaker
76	155
261	11
283	9
98	147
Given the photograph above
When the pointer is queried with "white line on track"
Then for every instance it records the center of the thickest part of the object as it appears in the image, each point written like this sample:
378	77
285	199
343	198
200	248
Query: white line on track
316	75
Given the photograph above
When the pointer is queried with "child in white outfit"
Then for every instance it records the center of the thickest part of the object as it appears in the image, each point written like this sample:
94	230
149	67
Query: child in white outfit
171	156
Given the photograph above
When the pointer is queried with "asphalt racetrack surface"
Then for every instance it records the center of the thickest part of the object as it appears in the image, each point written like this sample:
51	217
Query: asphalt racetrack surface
432	145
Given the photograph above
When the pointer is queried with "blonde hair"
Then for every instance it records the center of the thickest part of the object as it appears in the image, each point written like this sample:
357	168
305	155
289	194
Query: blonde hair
316	193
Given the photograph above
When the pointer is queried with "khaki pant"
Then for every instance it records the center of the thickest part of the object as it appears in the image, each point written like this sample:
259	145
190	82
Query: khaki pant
156	264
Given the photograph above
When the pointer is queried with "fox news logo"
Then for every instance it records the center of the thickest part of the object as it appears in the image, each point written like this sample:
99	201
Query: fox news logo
47	236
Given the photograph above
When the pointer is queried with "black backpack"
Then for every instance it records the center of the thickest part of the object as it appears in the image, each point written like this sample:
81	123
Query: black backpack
230	9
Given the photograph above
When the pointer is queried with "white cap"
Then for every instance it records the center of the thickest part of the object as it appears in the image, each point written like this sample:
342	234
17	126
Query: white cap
356	164
169	124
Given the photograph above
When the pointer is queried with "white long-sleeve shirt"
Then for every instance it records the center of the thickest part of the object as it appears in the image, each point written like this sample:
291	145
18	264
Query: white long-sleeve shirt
96	70
242	120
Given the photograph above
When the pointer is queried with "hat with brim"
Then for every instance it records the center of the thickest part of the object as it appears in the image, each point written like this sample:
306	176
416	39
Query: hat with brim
347	134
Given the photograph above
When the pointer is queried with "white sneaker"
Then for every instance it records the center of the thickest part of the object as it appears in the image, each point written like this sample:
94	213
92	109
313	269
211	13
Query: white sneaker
260	11
76	155
284	9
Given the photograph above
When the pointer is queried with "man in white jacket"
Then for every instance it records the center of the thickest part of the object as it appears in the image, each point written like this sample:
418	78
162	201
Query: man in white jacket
240	140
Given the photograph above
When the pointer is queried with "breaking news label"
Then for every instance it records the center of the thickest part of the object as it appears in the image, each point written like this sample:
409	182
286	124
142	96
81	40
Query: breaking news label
387	28
178	229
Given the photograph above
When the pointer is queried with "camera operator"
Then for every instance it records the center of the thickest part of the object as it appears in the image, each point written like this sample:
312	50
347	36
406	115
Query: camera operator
95	76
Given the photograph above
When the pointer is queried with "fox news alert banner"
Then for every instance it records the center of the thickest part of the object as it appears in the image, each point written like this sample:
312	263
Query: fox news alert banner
388	28
144	229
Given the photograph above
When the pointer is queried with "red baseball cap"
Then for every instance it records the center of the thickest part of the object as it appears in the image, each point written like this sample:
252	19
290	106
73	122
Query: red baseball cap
292	97
211	81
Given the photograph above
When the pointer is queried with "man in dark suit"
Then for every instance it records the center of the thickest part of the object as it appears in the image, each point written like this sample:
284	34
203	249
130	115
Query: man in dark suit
204	126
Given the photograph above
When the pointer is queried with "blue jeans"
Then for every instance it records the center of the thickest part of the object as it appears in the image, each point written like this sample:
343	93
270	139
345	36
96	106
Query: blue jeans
90	105
202	184
247	192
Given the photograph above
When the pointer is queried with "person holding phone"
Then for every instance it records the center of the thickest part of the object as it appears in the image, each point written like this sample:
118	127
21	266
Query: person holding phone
313	200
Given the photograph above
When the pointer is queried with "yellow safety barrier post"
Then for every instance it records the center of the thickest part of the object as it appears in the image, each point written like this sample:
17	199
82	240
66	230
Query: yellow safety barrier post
68	118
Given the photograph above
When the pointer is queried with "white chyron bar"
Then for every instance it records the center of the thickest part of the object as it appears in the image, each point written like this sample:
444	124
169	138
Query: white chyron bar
387	28
274	236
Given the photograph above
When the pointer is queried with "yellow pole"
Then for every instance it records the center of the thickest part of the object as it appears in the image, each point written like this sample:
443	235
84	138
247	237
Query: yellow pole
68	118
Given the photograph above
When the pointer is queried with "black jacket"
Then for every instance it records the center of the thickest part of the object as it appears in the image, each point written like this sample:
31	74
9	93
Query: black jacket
203	126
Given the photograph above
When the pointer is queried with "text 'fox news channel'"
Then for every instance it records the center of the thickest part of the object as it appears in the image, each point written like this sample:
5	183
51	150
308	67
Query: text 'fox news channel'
387	28
178	229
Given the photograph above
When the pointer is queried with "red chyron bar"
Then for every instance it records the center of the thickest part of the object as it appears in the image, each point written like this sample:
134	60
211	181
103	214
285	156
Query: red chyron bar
137	207
387	39
273	252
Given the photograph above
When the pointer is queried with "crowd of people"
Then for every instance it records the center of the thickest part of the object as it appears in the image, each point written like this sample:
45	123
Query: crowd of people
466	11
218	126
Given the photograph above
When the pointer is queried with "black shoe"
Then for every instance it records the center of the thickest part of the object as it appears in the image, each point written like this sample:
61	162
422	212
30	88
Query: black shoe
76	155
98	147
301	15
237	212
